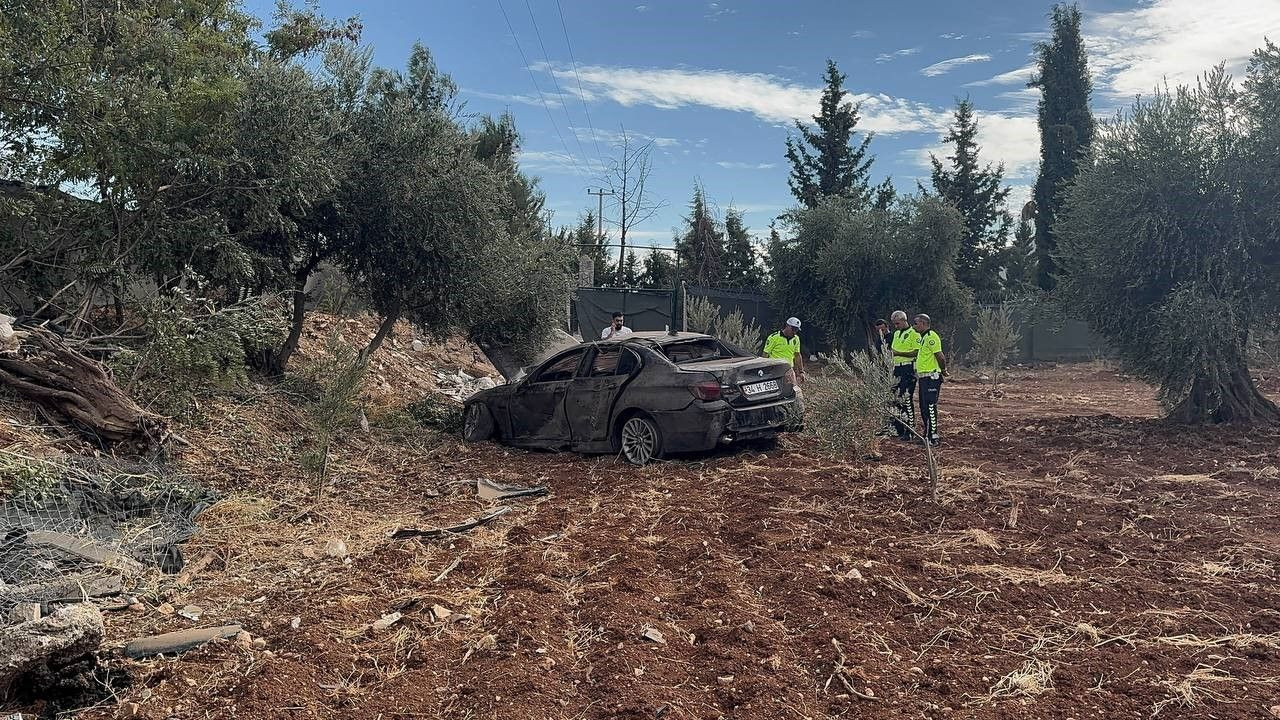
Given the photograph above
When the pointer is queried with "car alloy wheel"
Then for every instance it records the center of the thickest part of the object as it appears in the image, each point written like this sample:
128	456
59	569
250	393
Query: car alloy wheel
639	440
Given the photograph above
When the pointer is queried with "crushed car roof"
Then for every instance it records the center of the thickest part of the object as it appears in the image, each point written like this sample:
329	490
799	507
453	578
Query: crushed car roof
659	337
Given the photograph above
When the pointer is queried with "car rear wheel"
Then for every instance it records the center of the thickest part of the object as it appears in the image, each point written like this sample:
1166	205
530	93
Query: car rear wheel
641	440
477	423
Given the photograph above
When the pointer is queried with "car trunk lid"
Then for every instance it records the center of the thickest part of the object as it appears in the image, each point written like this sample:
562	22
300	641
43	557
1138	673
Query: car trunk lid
748	380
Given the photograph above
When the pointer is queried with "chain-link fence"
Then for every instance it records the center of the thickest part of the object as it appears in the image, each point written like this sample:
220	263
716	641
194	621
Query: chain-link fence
80	527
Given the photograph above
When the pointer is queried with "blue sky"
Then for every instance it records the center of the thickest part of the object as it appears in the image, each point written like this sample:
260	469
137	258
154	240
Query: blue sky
715	84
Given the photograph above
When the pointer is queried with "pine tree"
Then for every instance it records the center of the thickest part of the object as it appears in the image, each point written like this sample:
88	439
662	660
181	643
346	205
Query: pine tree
825	160
741	269
701	248
1020	260
659	271
587	242
975	191
629	273
1066	128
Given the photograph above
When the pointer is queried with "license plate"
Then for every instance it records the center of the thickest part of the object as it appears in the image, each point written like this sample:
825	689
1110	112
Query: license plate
760	387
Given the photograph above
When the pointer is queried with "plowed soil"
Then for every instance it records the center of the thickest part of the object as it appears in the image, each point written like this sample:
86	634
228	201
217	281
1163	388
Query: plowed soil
1082	560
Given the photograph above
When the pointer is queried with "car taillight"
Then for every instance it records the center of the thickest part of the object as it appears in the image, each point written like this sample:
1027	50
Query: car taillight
706	390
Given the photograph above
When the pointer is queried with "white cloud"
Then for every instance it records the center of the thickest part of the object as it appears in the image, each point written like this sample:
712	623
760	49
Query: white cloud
1133	51
946	66
952	36
551	161
862	34
904	52
1010	139
735	165
641	8
768	97
1014	77
614	137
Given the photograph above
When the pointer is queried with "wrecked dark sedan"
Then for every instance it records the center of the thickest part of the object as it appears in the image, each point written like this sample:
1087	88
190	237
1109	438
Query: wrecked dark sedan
643	396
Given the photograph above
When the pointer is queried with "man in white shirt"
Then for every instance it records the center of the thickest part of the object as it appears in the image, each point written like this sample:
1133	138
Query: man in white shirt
615	330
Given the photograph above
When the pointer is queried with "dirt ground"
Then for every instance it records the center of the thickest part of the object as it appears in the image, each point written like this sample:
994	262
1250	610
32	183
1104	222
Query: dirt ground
1083	561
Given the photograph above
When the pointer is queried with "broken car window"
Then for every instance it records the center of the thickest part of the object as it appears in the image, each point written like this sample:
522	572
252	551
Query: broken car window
698	350
605	362
562	369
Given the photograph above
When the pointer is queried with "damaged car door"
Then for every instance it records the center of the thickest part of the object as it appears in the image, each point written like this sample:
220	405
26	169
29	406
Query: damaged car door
592	395
537	406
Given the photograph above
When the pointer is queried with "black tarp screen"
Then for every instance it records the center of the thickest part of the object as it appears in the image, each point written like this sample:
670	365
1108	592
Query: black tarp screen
645	309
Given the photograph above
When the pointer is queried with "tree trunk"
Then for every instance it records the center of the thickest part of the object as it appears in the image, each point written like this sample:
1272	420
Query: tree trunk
57	378
1237	400
384	330
280	359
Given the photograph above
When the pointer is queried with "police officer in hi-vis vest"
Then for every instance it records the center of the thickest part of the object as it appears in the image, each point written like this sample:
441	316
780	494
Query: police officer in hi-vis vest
904	343
931	368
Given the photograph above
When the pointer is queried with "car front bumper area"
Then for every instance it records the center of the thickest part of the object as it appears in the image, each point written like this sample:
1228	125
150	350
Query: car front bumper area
703	426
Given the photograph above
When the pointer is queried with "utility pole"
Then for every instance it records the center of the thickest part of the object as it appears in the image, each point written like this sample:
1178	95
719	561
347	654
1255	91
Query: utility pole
600	193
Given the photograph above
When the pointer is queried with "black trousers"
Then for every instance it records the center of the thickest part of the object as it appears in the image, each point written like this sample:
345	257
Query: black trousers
929	389
904	387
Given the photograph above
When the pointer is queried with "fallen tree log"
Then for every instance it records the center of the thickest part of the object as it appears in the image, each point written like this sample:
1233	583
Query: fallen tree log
48	372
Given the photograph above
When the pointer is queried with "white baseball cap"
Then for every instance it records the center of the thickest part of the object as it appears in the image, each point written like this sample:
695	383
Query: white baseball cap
794	322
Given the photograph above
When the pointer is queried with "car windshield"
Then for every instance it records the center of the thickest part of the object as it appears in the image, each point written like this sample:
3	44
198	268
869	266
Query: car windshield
698	350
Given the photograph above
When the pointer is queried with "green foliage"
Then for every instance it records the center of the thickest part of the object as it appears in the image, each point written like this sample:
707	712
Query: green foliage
847	403
701	315
332	383
192	341
825	161
1066	129
975	190
1169	241
735	330
1019	261
701	248
741	265
994	337
847	262
438	414
26	478
659	271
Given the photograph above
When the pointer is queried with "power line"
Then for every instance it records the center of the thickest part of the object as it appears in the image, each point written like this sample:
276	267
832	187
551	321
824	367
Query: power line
552	72
581	95
541	97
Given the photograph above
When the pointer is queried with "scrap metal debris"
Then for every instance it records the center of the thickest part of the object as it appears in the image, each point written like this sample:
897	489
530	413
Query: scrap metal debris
490	490
178	642
490	516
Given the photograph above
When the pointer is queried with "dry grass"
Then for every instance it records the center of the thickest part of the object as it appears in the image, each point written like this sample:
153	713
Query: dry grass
1194	690
1019	576
1029	681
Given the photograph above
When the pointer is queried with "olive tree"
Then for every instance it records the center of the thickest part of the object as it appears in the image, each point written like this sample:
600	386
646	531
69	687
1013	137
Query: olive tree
848	260
1170	240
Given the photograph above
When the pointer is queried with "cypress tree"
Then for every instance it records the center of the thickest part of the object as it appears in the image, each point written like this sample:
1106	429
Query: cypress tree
740	267
1066	128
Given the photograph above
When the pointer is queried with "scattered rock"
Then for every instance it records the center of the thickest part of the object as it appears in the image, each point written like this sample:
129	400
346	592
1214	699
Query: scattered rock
725	679
165	609
418	346
386	621
258	643
131	710
243	640
295	623
653	635
364	423
56	640
1275	711
440	612
192	612
24	612
335	548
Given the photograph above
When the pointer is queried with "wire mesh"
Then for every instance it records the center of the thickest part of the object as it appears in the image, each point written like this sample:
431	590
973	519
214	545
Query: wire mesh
77	527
